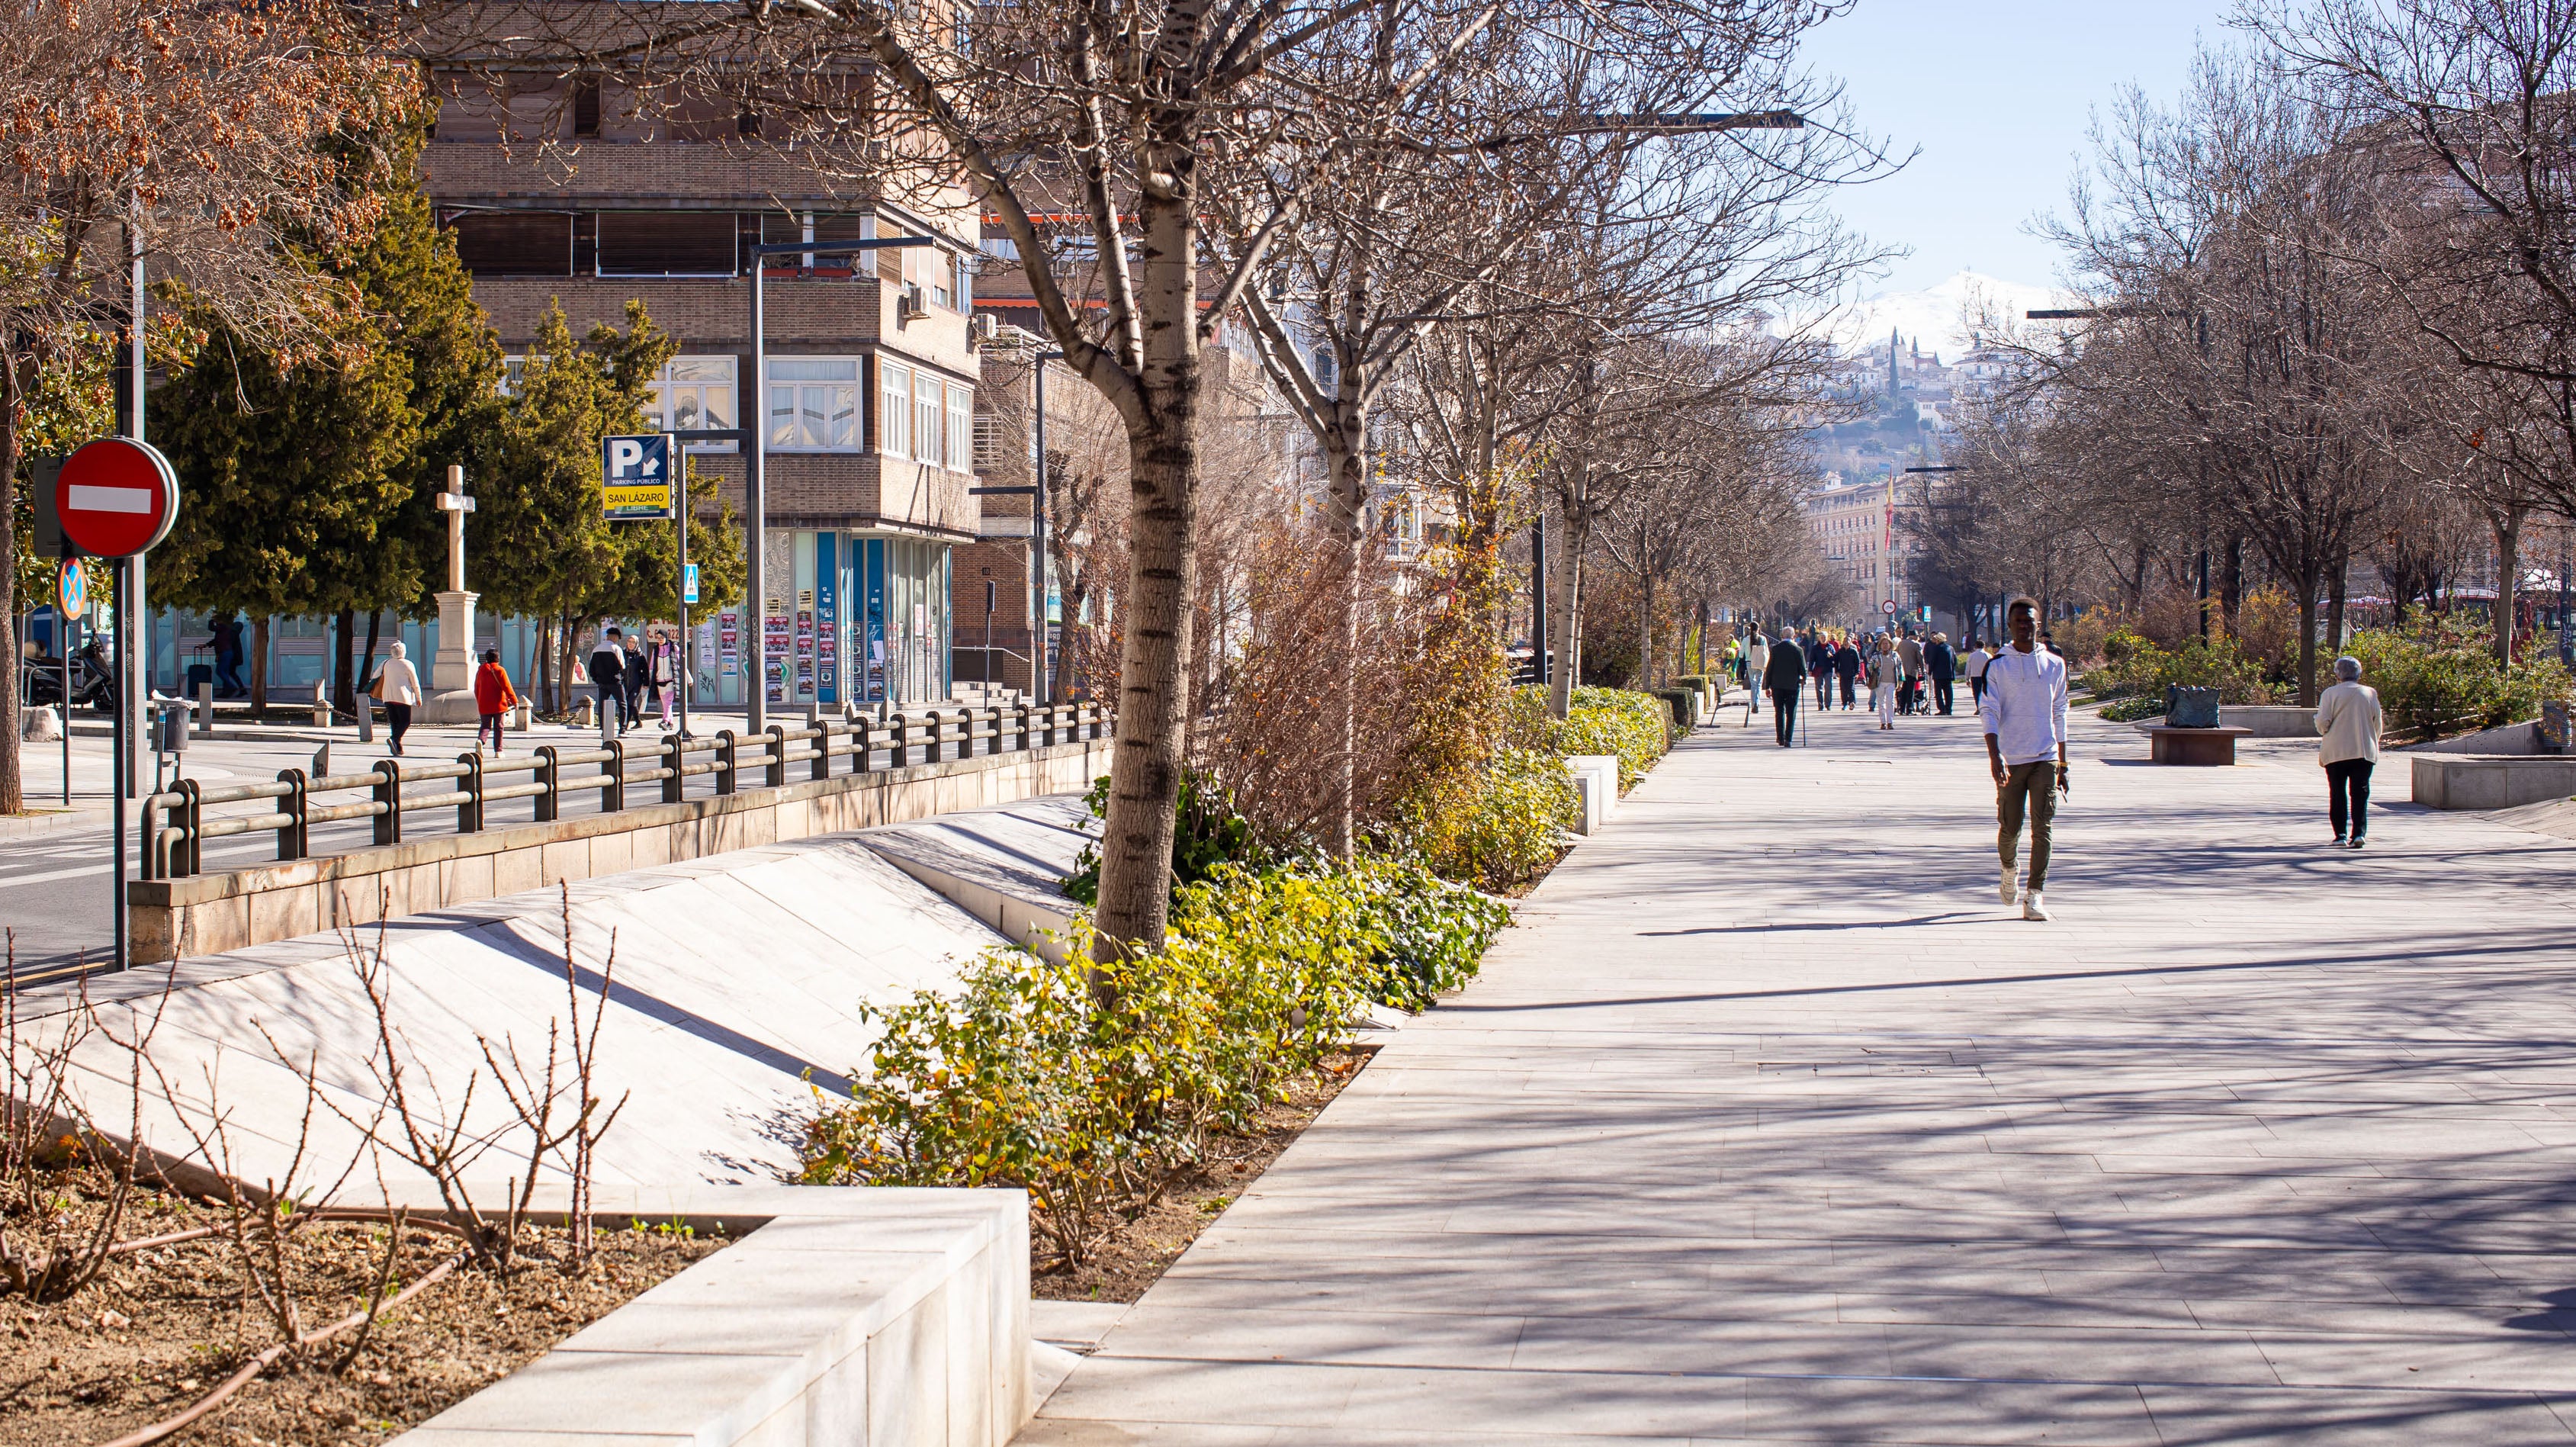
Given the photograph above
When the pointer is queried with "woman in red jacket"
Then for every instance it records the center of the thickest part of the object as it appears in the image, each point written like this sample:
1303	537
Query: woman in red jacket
493	697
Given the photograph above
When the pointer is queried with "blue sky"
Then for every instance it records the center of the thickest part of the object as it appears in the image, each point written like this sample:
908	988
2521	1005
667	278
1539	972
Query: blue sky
1998	95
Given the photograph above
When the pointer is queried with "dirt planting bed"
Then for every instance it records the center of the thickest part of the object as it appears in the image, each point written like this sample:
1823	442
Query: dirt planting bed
160	1328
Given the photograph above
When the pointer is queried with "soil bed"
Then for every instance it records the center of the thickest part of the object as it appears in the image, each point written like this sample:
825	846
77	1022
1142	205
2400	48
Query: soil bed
1133	1255
160	1328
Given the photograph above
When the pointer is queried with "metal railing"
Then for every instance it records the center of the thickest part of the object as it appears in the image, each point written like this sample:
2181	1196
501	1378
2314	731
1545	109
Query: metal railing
175	826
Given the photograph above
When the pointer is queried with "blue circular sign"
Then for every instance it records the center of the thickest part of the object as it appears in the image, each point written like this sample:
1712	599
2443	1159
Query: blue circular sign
71	589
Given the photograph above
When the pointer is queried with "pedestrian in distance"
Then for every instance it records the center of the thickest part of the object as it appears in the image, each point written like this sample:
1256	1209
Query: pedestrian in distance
1886	676
662	670
638	679
1820	666
1847	667
1975	667
1757	653
2348	722
1943	665
2024	712
493	699
1909	652
397	687
227	630
1786	676
608	680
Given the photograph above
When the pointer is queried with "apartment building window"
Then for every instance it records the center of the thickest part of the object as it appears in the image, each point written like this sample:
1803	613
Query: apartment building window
514	243
894	408
961	427
693	393
814	404
667	243
928	428
585	107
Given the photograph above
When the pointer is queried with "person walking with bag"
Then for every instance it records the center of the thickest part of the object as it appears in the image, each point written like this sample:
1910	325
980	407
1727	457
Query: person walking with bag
2024	711
2348	723
493	699
397	687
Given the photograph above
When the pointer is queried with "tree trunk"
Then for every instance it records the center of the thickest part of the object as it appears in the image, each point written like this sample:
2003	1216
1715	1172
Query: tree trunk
13	764
259	668
2336	591
344	691
2507	526
1346	464
1645	615
375	629
1574	534
2231	583
1162	577
2308	641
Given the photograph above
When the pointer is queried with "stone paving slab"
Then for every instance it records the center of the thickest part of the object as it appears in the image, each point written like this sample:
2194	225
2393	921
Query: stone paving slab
1768	1122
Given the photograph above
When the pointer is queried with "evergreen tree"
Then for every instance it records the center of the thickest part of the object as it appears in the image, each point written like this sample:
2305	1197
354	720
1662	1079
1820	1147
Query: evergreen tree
310	481
548	547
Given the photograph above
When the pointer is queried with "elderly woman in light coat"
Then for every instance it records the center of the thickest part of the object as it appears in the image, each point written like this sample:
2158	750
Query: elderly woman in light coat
2348	721
1886	676
398	689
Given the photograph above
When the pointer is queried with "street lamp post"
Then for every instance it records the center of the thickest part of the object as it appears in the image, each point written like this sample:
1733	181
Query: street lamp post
755	485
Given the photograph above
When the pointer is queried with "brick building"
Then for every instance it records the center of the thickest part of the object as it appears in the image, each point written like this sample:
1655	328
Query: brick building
566	191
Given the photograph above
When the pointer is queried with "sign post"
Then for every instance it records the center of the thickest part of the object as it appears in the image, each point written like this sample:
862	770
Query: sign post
71	600
640	481
117	497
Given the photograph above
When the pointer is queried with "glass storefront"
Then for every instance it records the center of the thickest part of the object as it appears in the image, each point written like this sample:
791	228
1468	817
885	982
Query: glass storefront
858	617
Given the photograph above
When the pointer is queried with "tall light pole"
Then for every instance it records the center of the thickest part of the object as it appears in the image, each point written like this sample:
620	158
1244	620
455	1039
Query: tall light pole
755	484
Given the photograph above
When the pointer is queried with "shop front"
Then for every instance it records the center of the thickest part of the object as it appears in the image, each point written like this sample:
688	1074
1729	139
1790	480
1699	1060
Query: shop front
854	616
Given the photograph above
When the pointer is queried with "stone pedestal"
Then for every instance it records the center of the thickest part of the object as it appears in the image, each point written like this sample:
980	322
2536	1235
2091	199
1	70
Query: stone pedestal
451	675
2194	747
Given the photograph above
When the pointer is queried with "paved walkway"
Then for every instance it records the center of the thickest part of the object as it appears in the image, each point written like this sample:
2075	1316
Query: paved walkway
1768	1124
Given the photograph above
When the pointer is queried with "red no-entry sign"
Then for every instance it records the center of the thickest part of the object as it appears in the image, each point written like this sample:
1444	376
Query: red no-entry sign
116	497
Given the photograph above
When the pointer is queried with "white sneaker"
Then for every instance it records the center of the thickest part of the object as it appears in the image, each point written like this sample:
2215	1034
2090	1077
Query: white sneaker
2004	888
2032	908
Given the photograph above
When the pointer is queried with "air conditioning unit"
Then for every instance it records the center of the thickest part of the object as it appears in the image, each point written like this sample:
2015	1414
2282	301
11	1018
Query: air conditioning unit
908	303
983	329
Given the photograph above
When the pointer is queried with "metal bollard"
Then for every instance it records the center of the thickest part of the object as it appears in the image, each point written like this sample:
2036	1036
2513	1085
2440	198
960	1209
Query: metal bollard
550	781
388	791
776	745
674	758
469	815
206	709
728	762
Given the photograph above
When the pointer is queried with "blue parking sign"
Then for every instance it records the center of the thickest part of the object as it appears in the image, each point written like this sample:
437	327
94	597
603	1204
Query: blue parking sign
635	477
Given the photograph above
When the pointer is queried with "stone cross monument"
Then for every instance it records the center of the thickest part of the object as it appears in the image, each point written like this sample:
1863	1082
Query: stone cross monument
451	681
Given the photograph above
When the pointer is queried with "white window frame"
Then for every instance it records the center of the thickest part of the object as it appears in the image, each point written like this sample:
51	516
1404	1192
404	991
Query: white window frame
961	427
894	417
852	386
929	424
666	383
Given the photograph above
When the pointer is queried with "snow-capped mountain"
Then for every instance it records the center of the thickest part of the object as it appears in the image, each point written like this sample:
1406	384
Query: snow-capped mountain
1935	315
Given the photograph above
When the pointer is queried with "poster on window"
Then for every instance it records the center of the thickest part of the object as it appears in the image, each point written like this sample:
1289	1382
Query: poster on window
729	642
805	651
774	638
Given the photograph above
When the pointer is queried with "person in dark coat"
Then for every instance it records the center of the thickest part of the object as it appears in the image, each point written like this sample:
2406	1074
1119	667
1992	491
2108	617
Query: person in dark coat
1785	675
1820	666
638	679
1943	665
1847	668
228	655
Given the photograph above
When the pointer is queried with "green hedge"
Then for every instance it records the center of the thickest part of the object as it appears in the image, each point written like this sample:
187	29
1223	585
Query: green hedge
1089	1086
2139	669
1635	726
2446	679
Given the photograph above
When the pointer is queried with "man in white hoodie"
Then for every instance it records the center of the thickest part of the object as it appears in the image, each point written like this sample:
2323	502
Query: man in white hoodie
2348	745
2024	713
